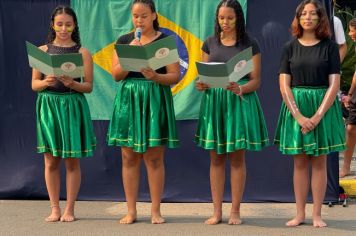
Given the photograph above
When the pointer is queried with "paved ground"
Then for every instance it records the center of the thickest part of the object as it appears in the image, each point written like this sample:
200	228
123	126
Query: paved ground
101	218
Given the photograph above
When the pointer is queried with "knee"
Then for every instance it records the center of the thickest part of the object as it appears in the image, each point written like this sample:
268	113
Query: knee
72	165
218	161
301	165
237	162
154	162
52	164
130	162
319	165
351	131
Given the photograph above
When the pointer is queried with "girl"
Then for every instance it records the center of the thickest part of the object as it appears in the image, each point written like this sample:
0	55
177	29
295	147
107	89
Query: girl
143	118
64	127
310	123
226	126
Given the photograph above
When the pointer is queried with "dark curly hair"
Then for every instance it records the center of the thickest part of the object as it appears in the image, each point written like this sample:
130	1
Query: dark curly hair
352	23
152	6
323	28
241	35
63	10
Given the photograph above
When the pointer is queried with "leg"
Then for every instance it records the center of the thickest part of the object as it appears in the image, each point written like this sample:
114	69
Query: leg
131	162
154	161
217	182
350	144
52	178
73	179
238	178
318	185
301	187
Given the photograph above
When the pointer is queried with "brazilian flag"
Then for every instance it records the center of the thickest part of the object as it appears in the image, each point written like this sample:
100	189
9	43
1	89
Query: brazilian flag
191	21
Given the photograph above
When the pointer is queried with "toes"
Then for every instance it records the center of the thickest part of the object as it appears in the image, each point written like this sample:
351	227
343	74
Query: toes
158	220
234	222
67	218
127	220
52	218
213	221
319	224
294	222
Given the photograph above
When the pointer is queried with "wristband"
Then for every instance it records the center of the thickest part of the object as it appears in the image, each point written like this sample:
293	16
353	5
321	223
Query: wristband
298	116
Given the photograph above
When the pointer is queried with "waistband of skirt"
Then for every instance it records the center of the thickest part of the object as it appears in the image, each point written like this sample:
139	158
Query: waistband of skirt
44	92
310	87
137	79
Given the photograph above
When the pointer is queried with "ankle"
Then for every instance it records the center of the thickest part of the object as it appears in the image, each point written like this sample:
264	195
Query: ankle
132	212
217	213
300	215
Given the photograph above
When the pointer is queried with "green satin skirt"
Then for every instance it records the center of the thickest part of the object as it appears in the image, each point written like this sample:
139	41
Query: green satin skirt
328	136
64	126
143	116
228	123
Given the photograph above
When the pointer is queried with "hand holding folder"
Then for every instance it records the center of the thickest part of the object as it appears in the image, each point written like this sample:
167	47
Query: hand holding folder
153	55
70	64
219	74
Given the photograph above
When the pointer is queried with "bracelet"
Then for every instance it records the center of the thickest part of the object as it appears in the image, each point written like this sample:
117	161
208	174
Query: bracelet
240	92
350	94
298	116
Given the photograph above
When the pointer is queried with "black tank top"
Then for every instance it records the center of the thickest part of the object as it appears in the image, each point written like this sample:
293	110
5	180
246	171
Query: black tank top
59	86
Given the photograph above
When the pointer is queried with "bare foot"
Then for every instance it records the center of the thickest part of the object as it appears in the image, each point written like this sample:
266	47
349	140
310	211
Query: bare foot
157	219
318	222
128	219
55	214
68	215
234	218
295	222
214	220
343	173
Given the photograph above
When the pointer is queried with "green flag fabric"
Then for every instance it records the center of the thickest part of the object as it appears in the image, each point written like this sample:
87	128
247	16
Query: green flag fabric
102	22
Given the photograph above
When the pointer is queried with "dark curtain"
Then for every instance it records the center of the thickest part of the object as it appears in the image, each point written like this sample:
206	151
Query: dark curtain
269	174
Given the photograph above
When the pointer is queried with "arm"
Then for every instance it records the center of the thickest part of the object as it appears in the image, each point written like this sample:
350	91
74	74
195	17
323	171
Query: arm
288	98
87	85
329	98
340	37
37	84
117	72
342	51
200	86
351	91
353	85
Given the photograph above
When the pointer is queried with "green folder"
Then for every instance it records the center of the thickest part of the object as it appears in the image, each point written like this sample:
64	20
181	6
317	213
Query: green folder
154	55
219	74
70	64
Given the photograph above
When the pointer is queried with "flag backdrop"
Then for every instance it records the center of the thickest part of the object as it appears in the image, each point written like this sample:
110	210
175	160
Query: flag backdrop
109	19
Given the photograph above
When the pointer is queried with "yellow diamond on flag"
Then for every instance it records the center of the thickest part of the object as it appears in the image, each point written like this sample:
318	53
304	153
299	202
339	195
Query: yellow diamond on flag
103	58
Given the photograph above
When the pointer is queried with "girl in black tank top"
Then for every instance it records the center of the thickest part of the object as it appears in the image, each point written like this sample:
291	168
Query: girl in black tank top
64	127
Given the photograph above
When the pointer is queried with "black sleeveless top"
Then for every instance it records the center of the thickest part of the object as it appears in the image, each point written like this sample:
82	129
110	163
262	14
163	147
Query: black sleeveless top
59	86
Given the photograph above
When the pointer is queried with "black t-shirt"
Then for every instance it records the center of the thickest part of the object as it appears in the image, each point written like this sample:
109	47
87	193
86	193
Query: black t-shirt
220	53
127	39
310	65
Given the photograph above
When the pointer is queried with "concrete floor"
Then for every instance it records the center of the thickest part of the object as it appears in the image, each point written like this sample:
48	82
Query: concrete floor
101	218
